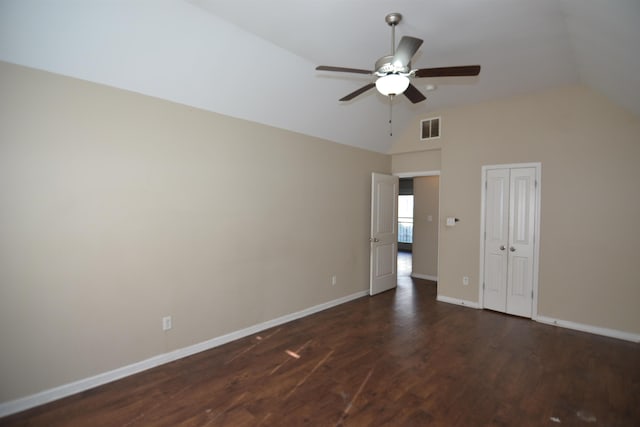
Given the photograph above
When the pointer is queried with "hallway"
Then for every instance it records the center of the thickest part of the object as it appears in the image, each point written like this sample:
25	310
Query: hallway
404	264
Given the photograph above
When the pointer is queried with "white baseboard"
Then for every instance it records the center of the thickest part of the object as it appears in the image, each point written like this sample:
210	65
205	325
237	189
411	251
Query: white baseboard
457	301
46	396
424	276
612	333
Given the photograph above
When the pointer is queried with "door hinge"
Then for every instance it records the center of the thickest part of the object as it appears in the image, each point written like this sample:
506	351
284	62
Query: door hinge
483	286
532	294
536	183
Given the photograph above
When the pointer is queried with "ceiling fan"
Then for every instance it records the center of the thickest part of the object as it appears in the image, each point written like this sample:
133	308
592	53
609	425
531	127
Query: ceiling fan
394	71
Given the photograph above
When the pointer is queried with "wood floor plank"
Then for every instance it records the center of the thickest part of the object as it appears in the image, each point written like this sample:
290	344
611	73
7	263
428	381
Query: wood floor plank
400	359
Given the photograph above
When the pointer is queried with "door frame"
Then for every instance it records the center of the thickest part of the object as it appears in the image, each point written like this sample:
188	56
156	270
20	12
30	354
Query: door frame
536	238
435	172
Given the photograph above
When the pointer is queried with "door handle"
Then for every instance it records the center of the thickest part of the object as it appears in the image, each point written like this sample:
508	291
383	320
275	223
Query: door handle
512	249
373	239
502	248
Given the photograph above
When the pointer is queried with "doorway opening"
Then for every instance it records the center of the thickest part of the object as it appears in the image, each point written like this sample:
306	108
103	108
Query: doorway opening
405	222
404	264
418	223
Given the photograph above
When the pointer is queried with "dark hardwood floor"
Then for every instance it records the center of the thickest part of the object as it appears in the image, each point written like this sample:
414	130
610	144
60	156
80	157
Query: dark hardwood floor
397	359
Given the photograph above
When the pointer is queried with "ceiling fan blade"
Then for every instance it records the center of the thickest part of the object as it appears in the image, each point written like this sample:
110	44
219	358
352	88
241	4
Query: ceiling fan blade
407	47
414	94
463	70
360	91
342	69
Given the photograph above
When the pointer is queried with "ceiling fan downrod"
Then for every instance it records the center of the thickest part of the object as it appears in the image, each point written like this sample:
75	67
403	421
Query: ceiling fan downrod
393	19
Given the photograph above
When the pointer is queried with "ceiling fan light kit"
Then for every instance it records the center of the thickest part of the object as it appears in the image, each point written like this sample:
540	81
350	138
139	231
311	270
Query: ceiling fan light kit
392	84
394	71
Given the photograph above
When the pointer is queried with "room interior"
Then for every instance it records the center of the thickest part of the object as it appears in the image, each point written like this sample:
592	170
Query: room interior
185	159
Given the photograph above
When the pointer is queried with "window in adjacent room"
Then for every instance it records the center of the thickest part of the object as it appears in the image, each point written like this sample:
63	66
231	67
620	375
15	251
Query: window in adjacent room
405	219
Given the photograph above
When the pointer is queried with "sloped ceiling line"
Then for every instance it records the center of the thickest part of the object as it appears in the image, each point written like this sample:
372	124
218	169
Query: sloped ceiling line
255	60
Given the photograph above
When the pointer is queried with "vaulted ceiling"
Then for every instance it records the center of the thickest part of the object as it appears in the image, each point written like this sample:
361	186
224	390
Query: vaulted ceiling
256	59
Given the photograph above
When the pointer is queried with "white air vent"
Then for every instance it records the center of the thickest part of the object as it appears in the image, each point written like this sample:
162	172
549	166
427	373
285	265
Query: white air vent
430	128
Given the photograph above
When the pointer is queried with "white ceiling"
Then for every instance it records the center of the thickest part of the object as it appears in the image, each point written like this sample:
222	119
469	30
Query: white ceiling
256	59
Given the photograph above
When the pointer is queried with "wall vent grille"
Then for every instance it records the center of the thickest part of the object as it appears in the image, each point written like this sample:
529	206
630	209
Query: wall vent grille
430	128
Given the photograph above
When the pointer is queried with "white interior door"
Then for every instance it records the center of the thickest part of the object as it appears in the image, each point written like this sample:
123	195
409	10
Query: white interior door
497	239
521	228
384	233
510	209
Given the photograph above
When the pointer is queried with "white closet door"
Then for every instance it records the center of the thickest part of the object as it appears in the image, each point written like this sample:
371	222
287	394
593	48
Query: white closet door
521	228
496	229
510	211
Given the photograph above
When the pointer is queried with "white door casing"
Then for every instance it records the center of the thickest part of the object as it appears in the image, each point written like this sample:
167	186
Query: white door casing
384	233
510	238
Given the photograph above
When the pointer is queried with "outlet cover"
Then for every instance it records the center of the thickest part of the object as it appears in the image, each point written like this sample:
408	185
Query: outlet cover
465	280
166	323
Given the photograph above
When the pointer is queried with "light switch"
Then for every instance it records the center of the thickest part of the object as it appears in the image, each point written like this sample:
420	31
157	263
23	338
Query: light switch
451	221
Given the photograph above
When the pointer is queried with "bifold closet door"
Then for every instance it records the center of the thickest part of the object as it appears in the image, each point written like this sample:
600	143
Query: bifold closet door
509	240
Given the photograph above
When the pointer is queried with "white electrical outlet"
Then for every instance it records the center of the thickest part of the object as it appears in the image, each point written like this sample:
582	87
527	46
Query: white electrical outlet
465	280
333	280
166	323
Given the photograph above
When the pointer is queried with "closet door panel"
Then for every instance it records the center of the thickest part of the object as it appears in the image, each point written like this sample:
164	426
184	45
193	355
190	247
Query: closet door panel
521	238
497	229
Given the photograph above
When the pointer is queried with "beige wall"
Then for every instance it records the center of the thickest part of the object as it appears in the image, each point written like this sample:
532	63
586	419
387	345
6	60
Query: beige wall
425	232
590	154
117	209
408	140
421	161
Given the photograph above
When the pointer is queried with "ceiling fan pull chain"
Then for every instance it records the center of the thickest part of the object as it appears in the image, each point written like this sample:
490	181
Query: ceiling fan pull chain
390	115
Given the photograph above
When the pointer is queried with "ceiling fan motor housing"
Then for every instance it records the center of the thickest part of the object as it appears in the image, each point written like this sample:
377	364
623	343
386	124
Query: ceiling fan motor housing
386	66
